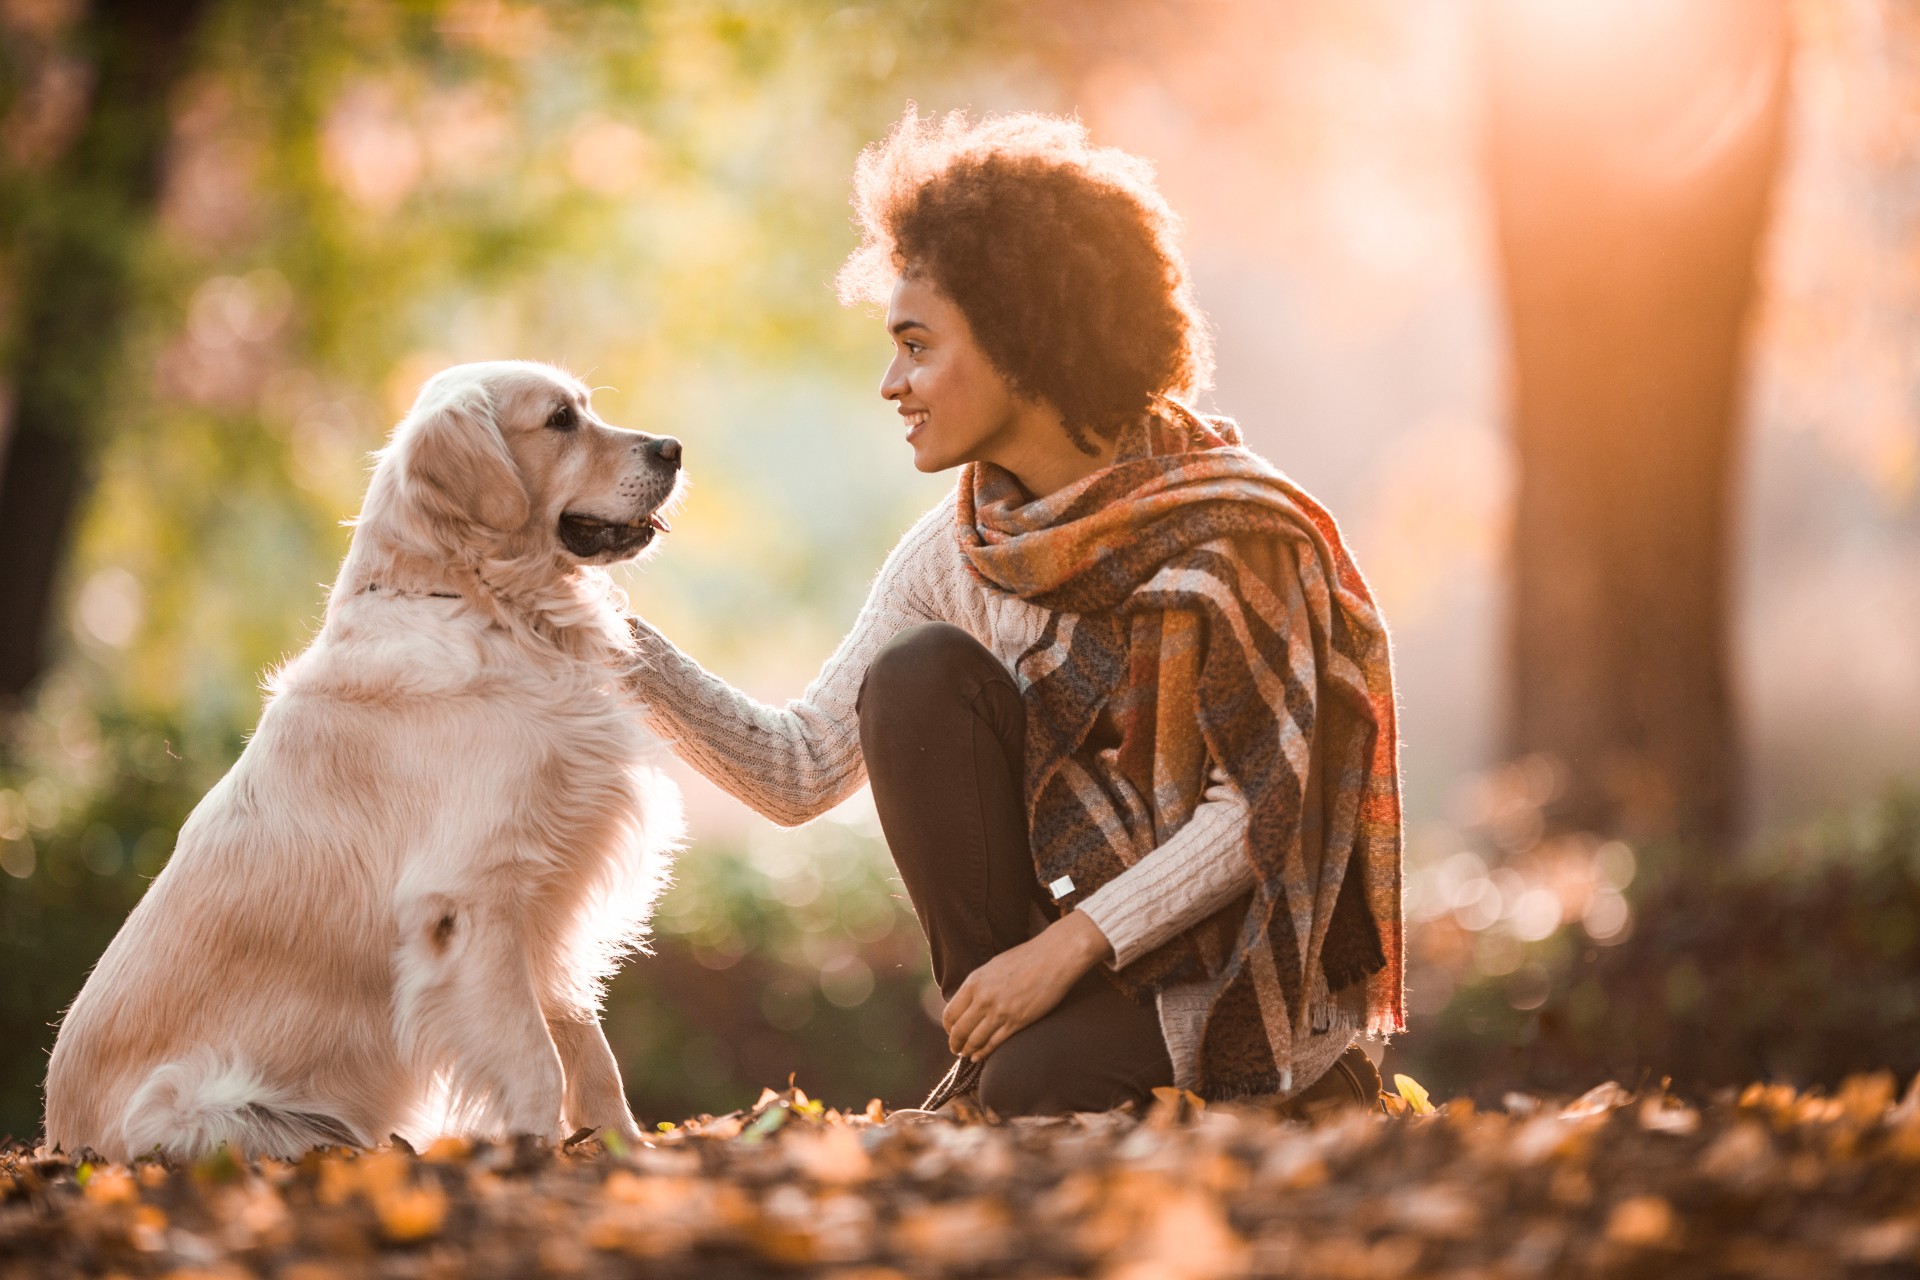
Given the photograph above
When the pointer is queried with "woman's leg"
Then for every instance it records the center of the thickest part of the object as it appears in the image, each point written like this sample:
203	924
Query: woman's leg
944	734
943	731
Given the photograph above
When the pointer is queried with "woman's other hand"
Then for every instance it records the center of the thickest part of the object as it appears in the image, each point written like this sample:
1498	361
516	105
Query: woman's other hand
1022	984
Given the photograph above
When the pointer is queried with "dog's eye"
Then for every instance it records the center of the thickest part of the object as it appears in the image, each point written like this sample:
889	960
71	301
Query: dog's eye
562	418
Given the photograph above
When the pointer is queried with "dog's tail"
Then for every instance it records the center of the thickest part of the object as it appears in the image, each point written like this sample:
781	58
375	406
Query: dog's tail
188	1108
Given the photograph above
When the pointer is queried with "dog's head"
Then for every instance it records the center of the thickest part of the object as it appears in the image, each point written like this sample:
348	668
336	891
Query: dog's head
509	456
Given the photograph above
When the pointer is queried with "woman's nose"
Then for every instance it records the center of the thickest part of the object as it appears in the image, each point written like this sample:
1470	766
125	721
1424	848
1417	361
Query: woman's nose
894	384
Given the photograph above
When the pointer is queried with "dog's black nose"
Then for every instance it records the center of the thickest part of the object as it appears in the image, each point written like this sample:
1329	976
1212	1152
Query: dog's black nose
666	448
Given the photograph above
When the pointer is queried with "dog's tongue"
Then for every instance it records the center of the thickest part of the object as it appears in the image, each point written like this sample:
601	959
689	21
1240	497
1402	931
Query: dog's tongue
659	522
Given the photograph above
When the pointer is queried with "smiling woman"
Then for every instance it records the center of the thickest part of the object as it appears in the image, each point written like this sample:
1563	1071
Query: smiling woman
1061	256
1124	884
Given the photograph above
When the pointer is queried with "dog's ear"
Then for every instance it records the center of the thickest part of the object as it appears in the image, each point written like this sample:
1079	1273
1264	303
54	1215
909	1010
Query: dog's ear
457	464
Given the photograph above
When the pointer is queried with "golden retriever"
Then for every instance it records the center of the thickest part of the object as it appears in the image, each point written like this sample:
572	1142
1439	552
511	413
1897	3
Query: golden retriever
396	912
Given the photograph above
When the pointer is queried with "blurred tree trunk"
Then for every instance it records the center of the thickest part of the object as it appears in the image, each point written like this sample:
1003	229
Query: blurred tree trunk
81	220
1631	150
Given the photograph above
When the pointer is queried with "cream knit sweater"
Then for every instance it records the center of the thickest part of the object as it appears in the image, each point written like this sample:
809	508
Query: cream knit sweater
794	763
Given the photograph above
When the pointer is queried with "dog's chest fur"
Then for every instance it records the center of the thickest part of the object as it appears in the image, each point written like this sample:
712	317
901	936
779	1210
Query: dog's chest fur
492	751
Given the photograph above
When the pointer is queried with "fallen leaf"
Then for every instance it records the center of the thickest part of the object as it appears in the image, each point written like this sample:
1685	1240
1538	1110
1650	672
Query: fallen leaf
109	1184
1643	1221
1598	1100
971	1232
447	1150
832	1156
765	1124
411	1213
1666	1115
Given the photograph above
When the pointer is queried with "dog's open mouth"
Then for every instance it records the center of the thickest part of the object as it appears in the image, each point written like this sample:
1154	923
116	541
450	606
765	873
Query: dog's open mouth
589	536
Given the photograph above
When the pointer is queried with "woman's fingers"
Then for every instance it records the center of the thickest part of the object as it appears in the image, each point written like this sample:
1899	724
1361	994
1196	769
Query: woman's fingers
992	1033
977	1026
957	1039
962	1000
999	1038
962	1028
994	1026
987	1032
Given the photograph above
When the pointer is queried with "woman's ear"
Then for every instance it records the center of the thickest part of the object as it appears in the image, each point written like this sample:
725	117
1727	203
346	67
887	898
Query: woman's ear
456	463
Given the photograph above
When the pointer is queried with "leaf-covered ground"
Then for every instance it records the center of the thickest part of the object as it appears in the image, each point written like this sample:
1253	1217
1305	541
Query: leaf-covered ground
1766	1183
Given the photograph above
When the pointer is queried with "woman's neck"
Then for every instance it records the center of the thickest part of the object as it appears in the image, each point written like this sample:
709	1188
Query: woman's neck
1043	458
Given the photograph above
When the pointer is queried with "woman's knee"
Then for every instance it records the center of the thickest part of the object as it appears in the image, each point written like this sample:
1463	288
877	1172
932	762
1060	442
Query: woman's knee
924	667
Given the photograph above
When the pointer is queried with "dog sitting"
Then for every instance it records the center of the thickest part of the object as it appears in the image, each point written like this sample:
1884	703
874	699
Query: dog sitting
395	913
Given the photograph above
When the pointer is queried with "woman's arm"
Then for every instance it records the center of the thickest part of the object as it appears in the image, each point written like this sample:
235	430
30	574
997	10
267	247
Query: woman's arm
1201	868
789	763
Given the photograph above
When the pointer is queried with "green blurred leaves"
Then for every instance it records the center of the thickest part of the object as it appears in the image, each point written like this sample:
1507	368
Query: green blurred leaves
356	195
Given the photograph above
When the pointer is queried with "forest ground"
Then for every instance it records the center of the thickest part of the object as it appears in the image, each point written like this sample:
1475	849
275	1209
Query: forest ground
1762	1182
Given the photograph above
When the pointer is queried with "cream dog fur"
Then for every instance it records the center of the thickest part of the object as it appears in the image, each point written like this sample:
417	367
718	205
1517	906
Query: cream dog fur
396	912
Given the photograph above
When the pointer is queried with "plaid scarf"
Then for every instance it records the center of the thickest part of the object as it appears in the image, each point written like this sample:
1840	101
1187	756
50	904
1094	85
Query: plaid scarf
1205	612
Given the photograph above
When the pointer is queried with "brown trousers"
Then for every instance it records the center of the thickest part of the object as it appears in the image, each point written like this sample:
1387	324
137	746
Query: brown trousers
943	730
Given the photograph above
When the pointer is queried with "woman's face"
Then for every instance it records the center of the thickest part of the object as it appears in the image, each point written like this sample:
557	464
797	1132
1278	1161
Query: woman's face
956	406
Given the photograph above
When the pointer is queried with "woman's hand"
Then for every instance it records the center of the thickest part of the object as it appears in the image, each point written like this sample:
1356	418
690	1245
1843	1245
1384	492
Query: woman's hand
1019	985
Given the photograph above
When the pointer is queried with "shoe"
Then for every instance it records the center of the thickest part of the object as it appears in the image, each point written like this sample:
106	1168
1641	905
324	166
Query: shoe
1352	1081
963	1077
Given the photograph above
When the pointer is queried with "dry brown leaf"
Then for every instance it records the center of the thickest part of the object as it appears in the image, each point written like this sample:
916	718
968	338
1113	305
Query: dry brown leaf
1645	1221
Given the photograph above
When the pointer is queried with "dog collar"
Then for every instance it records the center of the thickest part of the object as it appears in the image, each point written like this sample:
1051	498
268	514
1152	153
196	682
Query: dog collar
373	588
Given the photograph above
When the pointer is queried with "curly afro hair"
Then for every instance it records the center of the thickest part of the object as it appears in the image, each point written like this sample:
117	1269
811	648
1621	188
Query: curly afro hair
1061	255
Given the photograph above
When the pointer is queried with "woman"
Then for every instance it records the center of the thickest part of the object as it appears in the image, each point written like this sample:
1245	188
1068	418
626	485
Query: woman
1123	700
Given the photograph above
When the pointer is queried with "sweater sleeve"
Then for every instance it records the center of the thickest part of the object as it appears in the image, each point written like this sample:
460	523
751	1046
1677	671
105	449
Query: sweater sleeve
792	763
1201	868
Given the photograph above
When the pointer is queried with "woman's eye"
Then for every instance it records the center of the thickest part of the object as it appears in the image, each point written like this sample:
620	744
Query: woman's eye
914	348
562	419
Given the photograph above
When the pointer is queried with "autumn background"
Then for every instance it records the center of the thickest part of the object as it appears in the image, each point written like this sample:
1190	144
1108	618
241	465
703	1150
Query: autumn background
1593	320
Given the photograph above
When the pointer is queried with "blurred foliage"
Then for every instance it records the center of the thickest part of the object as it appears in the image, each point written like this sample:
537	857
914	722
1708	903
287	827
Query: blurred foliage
356	195
76	853
1800	964
798	957
359	195
655	195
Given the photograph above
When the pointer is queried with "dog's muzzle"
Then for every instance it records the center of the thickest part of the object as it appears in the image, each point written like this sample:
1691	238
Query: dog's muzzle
589	536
